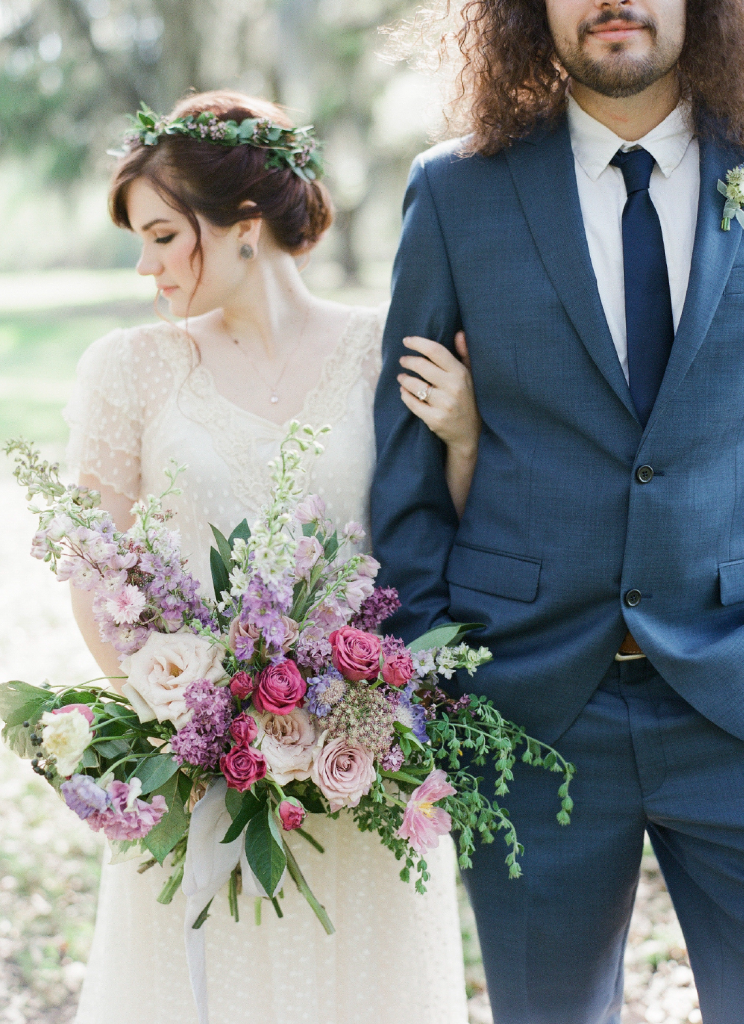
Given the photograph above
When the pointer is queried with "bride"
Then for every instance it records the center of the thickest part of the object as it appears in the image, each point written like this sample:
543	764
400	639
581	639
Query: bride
221	227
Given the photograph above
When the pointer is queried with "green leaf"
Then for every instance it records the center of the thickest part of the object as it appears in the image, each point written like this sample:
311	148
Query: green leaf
309	529
15	694
220	578
175	822
331	547
203	916
90	758
233	802
154	772
223	546
18	739
446	635
265	850
111	749
250	806
170	888
30	712
241	532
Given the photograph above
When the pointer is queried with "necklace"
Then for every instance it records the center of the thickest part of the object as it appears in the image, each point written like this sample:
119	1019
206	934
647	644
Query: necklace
273	389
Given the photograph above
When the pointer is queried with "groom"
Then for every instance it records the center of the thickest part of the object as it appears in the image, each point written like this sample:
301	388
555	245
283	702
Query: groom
579	245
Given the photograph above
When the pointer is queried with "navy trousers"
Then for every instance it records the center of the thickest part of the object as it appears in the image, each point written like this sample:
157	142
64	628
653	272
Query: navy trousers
553	940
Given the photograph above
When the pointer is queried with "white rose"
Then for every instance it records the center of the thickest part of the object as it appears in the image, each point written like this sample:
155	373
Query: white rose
65	737
161	671
288	742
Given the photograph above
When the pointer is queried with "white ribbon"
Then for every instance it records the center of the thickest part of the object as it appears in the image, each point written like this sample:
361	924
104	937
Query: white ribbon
208	866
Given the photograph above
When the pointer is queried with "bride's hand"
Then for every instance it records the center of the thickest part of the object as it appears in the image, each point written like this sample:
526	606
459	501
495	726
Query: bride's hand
442	395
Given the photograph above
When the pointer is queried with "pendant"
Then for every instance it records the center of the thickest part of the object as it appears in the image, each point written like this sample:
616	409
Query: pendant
274	399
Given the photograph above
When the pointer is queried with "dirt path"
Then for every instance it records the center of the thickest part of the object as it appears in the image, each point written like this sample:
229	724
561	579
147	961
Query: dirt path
49	859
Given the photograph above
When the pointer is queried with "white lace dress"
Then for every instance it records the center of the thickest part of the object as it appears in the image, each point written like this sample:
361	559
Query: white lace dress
396	957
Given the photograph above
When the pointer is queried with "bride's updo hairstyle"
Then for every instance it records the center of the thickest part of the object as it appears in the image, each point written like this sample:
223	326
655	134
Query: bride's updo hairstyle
197	177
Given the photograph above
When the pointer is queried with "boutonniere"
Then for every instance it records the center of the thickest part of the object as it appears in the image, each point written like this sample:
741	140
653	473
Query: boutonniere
733	189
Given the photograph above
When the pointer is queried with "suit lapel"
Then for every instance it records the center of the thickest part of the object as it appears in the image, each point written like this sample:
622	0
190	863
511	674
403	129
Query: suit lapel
545	179
713	254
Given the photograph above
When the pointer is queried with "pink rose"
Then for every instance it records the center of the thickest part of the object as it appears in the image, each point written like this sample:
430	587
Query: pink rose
397	669
288	743
292	815
239	629
84	710
309	550
344	773
242	766
241	685
244	730
291	632
280	688
356	654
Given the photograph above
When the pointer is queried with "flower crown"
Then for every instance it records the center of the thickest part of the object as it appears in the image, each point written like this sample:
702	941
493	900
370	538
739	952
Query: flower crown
296	148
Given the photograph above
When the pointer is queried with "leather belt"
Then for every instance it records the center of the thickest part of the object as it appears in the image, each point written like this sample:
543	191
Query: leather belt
629	650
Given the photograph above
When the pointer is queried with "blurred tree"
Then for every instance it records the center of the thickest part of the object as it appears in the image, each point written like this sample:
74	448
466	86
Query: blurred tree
69	70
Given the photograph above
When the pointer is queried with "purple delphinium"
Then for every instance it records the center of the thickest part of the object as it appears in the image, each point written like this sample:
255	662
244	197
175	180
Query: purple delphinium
83	796
408	713
202	740
263	605
323	692
379	606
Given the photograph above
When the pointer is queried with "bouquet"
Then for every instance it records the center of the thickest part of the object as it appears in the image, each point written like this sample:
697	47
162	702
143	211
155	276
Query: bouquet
239	718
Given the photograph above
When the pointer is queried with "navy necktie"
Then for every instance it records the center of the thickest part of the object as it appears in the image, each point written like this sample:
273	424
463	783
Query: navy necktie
648	303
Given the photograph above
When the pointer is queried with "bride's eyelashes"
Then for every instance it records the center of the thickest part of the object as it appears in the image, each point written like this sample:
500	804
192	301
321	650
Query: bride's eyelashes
164	239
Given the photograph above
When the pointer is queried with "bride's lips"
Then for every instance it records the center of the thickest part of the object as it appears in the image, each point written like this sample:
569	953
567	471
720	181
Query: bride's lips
616	31
168	289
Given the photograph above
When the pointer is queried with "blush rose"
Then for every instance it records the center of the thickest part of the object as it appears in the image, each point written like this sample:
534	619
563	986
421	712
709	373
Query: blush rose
397	669
356	654
344	773
279	689
292	815
242	767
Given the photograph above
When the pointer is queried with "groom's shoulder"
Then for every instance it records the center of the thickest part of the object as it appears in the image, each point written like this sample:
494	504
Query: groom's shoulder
453	159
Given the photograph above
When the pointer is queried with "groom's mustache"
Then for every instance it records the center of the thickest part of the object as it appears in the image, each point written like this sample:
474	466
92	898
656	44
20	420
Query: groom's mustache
621	14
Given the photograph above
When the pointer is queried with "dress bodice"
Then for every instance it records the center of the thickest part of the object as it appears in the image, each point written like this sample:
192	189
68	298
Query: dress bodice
143	398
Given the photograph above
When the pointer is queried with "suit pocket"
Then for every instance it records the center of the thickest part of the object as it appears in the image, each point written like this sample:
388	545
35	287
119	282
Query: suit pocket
494	572
731	575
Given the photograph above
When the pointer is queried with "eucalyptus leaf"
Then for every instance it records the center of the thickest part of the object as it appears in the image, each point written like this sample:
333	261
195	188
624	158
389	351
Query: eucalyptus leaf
446	635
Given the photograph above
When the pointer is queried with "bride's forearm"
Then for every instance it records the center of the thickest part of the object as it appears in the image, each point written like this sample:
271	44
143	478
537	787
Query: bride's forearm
459	468
105	655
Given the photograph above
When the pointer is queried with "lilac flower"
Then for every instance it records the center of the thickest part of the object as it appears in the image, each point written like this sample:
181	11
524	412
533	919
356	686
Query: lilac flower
313	650
244	647
379	606
83	796
202	740
392	645
393	760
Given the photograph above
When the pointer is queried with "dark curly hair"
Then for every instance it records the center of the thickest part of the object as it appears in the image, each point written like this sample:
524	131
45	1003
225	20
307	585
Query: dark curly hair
510	78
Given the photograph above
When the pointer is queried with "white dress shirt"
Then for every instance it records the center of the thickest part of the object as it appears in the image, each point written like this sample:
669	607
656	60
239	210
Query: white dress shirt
674	191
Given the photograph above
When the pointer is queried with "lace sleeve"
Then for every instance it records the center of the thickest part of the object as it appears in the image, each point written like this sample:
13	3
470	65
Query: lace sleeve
372	364
104	416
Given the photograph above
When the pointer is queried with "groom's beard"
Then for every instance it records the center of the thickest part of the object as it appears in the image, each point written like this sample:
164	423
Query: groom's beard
620	73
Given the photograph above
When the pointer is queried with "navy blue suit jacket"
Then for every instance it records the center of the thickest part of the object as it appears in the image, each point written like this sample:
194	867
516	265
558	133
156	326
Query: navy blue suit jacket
557	527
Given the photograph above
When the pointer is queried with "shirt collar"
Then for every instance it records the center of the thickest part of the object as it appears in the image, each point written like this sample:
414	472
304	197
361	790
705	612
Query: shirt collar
594	144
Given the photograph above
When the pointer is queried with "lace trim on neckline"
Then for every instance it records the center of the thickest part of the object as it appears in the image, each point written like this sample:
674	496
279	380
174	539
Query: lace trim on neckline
326	403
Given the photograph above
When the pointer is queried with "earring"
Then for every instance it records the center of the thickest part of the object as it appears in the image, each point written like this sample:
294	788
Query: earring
246	252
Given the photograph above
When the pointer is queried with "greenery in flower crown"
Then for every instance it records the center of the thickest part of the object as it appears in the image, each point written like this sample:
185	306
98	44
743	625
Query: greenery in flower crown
296	148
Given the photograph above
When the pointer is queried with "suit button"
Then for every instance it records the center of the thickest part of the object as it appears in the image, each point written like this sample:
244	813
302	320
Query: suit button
633	598
644	474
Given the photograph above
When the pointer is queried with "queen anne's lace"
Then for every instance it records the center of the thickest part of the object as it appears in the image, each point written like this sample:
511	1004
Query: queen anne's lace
396	956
